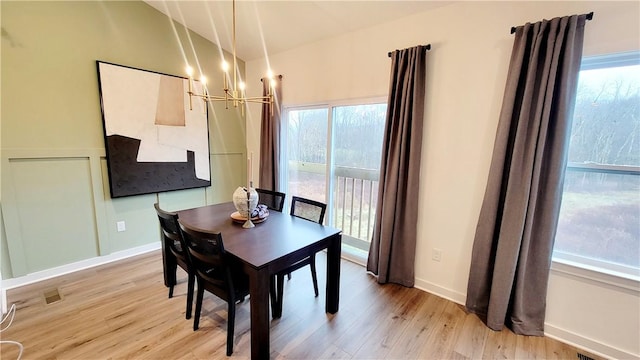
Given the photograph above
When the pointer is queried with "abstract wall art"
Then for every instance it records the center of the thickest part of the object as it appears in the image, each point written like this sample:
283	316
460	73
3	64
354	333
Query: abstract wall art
154	142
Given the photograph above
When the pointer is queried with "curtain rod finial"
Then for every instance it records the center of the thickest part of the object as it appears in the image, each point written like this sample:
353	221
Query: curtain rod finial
427	47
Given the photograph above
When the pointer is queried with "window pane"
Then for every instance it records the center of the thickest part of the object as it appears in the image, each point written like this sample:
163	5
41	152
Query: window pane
307	153
606	118
358	133
600	217
599	222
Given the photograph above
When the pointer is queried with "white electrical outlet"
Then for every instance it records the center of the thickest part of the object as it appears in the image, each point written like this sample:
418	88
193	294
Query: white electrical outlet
121	226
436	255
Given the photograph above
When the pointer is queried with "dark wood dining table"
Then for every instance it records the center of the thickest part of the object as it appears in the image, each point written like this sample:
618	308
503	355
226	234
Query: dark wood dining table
269	247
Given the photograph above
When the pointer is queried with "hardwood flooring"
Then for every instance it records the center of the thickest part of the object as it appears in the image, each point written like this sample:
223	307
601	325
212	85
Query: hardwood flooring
121	311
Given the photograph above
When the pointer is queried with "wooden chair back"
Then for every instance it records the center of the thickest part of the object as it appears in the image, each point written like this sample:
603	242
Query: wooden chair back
273	199
308	209
171	233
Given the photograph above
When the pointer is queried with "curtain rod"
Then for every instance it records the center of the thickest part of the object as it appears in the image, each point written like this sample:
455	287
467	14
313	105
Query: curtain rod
279	77
428	47
589	17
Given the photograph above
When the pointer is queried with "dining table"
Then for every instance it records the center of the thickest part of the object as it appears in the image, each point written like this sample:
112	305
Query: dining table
272	245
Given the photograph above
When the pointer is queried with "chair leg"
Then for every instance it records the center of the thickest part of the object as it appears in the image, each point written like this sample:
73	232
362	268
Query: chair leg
171	276
170	268
312	264
279	296
199	296
231	319
273	296
190	287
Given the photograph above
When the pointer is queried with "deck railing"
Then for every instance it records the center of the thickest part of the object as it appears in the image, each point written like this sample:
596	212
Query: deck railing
353	202
355	193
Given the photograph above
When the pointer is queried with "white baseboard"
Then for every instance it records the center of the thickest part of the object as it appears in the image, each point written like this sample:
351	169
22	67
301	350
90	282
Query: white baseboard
69	268
592	346
451	295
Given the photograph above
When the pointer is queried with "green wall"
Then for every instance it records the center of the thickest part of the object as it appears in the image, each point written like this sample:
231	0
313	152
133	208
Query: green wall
55	199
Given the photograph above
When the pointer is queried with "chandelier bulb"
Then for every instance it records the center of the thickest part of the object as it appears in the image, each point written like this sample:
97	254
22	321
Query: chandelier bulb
189	71
225	66
203	80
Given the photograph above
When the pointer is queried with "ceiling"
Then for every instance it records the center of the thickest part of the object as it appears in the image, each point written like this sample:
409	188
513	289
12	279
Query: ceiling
269	26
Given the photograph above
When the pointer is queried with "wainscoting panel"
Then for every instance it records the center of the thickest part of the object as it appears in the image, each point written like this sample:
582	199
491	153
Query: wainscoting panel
52	208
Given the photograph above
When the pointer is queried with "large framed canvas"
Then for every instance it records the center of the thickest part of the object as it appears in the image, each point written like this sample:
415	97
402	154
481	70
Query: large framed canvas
154	141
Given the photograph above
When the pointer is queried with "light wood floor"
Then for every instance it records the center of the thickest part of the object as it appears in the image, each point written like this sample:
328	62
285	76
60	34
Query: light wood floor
121	310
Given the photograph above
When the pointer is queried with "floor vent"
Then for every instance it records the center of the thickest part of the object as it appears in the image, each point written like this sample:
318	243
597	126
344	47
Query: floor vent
52	296
584	357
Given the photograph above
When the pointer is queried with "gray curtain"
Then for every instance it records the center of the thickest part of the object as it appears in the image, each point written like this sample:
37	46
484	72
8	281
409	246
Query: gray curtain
270	138
392	250
515	233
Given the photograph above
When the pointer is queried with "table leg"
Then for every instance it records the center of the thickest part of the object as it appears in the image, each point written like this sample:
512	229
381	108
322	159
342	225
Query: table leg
333	274
259	303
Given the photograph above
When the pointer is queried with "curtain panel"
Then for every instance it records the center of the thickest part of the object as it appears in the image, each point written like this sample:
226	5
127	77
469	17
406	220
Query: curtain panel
270	124
392	250
516	228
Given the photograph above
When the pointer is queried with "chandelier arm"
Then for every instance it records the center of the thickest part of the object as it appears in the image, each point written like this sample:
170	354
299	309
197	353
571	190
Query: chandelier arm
211	97
263	99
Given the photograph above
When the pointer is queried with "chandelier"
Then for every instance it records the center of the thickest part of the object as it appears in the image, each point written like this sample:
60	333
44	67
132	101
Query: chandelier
232	94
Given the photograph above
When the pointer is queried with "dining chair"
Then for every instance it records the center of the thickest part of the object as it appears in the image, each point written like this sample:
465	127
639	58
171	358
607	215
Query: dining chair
273	199
217	273
174	254
309	210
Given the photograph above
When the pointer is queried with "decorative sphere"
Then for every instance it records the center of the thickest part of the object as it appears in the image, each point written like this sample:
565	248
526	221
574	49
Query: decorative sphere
240	200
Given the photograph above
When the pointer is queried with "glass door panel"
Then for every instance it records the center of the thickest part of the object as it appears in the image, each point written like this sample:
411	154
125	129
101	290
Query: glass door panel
333	156
357	145
307	153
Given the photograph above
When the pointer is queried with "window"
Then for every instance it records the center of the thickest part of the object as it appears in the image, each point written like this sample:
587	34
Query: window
599	224
333	155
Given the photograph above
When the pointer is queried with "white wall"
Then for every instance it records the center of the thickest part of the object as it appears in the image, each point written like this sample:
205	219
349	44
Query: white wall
466	73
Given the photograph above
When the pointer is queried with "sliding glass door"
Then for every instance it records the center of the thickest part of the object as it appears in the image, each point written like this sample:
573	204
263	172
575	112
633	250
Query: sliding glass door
333	155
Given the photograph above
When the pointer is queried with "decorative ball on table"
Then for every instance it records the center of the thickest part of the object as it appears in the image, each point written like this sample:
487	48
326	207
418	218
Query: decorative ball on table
245	202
